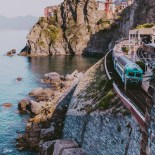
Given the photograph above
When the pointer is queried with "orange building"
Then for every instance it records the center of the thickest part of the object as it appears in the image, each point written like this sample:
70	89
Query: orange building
109	9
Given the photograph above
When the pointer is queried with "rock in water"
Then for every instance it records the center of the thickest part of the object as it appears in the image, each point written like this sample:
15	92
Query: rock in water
11	53
36	91
52	77
19	79
37	107
23	105
7	105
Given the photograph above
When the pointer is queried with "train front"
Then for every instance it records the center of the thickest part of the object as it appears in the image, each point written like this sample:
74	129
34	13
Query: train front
133	74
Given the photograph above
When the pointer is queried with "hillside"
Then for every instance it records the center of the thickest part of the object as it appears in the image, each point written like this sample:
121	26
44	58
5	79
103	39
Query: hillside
17	23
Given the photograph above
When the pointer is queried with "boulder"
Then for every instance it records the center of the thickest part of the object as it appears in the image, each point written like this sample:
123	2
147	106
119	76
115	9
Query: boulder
37	107
61	145
36	91
74	151
7	105
23	105
19	79
33	142
47	134
72	76
11	53
42	94
46	148
52	78
25	51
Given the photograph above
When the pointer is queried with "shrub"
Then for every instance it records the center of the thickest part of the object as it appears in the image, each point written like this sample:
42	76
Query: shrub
146	25
108	85
105	101
52	33
101	83
125	49
126	113
141	64
41	43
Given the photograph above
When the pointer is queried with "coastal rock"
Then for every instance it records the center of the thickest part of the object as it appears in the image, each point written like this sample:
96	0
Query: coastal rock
24	105
25	51
71	29
61	145
7	105
74	151
11	53
19	79
75	74
71	76
47	134
41	94
48	117
46	148
37	107
52	78
36	91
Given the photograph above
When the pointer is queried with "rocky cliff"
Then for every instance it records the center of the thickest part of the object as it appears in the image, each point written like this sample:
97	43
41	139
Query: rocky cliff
78	27
68	31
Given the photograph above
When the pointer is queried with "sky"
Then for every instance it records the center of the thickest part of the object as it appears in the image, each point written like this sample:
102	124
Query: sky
13	8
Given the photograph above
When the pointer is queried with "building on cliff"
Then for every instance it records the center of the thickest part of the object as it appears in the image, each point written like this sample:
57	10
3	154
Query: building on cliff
49	11
123	5
107	7
142	35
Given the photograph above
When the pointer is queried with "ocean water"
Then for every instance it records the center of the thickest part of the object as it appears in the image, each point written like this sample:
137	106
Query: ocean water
31	70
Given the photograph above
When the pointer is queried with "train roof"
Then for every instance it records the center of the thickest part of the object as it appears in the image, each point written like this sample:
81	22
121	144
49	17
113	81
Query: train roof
127	63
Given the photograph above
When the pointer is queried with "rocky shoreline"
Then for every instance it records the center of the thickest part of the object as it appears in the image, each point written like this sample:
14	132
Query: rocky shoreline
47	111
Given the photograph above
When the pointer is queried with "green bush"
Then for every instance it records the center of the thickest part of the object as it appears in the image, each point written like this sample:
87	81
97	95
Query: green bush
146	25
41	43
105	101
125	49
108	85
52	33
141	65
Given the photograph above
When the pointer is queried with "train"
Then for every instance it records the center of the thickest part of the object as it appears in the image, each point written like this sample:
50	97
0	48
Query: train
129	72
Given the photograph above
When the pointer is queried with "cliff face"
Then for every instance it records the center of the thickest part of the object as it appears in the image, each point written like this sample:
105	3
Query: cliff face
97	119
68	32
78	27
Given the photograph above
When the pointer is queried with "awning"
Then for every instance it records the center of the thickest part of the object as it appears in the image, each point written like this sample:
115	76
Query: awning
150	45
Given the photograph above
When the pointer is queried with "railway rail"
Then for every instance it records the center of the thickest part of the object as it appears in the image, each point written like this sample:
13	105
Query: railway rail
136	99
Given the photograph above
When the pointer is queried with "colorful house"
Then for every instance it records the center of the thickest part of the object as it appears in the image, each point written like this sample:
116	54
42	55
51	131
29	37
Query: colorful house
50	11
109	9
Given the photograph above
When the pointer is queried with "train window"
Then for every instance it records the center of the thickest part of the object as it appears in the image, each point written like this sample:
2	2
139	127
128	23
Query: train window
138	75
130	74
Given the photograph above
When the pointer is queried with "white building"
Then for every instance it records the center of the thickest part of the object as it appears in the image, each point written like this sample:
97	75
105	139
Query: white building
101	5
142	35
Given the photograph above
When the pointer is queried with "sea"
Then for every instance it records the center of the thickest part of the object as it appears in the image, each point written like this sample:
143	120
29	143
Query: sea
31	69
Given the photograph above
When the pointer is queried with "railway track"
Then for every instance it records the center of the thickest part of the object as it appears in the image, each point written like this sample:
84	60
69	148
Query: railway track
137	95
